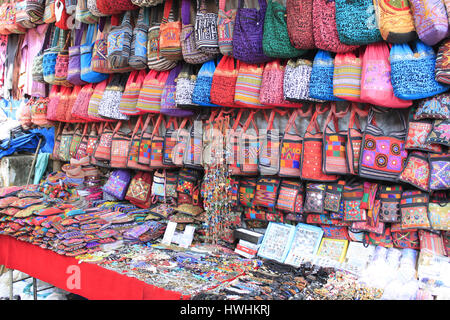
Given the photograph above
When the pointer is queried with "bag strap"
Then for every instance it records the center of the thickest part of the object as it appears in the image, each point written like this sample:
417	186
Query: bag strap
167	8
172	122
372	114
355	114
237	121
158	123
90	34
185	12
79	34
250	120
313	124
334	116
273	113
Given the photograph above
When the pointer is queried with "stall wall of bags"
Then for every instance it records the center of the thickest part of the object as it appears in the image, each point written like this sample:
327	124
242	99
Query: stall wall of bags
333	112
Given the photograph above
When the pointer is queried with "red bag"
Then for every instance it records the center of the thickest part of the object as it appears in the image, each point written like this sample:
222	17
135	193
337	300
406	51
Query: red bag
354	138
139	190
120	143
249	147
156	149
62	18
70	116
224	82
432	241
300	23
137	135
103	150
312	156
63	103
93	138
109	7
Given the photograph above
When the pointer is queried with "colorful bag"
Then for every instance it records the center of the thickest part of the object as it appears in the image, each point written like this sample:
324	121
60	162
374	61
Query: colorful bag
193	155
93	139
81	104
158	186
290	197
276	41
173	141
224	82
87	74
430	20
334	143
248	34
439	133
202	90
83	14
356	22
314	198
62	65
333	196
374	224
248	85
168	104
269	141
390	203
145	142
76	140
436	107
412	72
35	10
395	21
188	183
291	146
103	148
383	155
321	81
156	148
233	153
414	210
405	239
149	99
432	241
117	184
376	86
120	144
418	132
136	136
262	215
169	39
138	53
312	152
334	232
74	68
206	36
438	215
325	32
352	196
53	102
64	145
297	76
300	23
22	18
247	190
139	190
225	27
99	60
80	152
354	138
110	102
49	57
131	93
191	54
439	171
347	75
185	86
249	147
442	68
119	44
266	192
416	171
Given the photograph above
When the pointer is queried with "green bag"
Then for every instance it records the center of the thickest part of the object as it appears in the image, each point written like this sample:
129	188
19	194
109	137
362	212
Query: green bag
276	42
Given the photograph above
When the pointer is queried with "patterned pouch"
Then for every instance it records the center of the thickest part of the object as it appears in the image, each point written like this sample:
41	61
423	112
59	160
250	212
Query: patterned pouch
266	192
247	190
290	197
439	171
333	194
418	132
439	133
314	198
417	171
262	215
390	201
414	210
352	196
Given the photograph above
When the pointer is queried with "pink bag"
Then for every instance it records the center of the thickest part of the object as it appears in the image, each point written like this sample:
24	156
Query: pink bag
376	86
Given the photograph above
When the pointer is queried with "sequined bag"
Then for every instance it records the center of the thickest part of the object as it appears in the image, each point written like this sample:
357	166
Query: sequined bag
139	190
314	198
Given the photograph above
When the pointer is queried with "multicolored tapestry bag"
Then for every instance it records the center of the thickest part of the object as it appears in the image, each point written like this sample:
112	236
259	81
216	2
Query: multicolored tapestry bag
333	196
439	171
390	203
414	210
247	190
352	196
314	198
266	192
416	171
290	197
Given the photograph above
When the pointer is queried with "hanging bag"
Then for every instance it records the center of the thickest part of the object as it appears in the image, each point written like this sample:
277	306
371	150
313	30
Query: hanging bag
100	62
376	86
170	31
138	54
103	148
37	69
416	138
156	149
442	68
185	85
119	44
347	75
130	95
202	90
248	85
225	28
276	42
149	99
193	155
81	104
430	20
94	102
232	145
80	151
82	13
248	33
300	23
249	146
312	152
352	195
390	203
356	22
49	57
117	184
136	137
54	97
87	74
412	71
383	155
76	140
74	68
168	104
66	140
321	80
62	65
110	102
224	82
206	37
171	140
290	197
145	141
35	10
120	144
297	77
354	138
436	107
139	190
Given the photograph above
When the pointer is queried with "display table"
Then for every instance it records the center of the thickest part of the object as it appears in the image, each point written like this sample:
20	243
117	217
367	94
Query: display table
96	283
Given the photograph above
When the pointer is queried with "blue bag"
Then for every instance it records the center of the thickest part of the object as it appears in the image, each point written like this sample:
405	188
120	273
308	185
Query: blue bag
321	81
202	89
356	22
87	74
412	72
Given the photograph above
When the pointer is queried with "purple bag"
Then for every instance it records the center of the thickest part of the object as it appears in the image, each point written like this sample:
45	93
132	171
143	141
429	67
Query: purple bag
117	184
74	69
430	20
168	104
248	34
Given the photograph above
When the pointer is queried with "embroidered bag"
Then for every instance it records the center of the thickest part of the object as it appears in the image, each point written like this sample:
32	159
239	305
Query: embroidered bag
325	32
80	151
158	186
62	65
266	192
352	197
263	215
168	104
149	99
191	54
110	101
103	148
171	140
290	197
314	197
439	171
247	190
356	22
206	36
418	132
139	190
64	146
117	184
438	209
120	144
383	155
145	142
439	133
50	55
276	42
53	102
119	44
430	20
416	171
333	196
233	154
432	241
334	232
170	31
131	92
390	201
354	138
312	152
58	133
156	147
374	224
321	81
100	62
442	68
405	239
87	74
138	53
291	146
334	143
395	21
412	71
382	240
297	76
133	152
76	140
225	27
436	107
81	104
248	85
376	86
248	33
414	210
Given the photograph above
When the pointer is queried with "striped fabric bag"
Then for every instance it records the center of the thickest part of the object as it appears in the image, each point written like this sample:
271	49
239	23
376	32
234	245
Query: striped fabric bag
133	151
83	14
149	99
266	192
131	93
347	76
432	241
249	147
225	26
248	85
94	102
